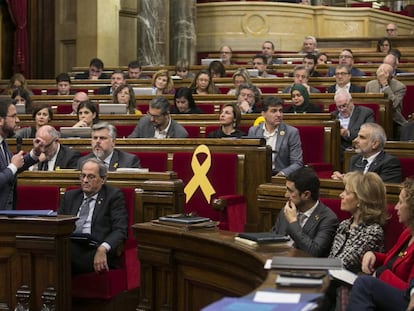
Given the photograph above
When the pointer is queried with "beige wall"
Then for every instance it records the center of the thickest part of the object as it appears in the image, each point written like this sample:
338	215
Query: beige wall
244	26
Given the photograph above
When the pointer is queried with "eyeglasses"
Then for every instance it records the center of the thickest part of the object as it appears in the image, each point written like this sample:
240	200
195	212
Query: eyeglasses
50	144
341	74
155	116
391	29
345	56
343	106
89	177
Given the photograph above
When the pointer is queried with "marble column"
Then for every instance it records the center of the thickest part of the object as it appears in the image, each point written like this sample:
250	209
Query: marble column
182	30
153	32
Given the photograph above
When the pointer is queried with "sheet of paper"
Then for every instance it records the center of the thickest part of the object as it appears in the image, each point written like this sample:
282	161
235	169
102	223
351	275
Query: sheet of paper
272	297
268	264
344	275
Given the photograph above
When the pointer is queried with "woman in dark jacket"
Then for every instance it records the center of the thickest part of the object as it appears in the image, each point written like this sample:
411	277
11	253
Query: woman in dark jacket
300	101
184	102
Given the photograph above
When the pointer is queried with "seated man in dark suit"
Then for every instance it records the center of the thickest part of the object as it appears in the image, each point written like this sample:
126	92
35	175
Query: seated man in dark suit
63	84
103	148
343	81
371	157
309	223
117	78
158	122
350	117
346	57
55	155
102	223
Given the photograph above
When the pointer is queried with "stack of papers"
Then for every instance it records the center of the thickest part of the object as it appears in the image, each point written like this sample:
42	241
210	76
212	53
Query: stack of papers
185	222
307	263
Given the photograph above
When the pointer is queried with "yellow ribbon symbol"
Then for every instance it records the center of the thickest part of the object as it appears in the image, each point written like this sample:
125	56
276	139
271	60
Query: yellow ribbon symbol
200	175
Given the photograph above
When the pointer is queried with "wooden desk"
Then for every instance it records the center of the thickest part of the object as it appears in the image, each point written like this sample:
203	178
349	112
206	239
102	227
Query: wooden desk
34	261
188	270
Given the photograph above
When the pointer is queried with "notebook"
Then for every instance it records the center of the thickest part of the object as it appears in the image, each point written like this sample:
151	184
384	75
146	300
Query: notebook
254	73
17	213
310	263
264	237
112	108
143	91
82	132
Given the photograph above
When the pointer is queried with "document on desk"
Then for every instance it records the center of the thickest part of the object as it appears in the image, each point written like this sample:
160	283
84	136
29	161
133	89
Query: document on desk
344	275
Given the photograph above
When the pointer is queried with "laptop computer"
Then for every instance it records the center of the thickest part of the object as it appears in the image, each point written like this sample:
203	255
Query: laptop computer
207	61
79	132
20	108
253	73
143	91
112	108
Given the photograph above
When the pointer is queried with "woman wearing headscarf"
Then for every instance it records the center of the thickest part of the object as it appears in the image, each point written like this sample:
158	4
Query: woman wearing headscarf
300	101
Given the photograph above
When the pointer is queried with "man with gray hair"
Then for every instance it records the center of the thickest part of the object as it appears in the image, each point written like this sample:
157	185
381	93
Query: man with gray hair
103	148
248	96
55	156
158	122
371	157
350	117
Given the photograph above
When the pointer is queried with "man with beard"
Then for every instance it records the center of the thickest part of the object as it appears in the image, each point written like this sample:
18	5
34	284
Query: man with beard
308	222
103	148
11	165
55	156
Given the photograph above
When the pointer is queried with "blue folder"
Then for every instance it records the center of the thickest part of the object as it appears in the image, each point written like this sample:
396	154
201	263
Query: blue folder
19	213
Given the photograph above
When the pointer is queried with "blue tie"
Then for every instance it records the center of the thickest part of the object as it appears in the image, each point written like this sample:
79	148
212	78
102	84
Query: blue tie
83	214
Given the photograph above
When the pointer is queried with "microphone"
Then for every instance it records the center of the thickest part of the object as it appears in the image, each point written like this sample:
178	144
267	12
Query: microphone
19	141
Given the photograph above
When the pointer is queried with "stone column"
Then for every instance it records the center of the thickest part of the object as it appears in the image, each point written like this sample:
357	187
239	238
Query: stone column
182	30
97	31
153	32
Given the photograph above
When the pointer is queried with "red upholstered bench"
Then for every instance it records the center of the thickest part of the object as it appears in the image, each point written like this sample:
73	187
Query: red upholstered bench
154	161
64	109
193	131
222	176
313	148
123	130
407	167
28	197
109	284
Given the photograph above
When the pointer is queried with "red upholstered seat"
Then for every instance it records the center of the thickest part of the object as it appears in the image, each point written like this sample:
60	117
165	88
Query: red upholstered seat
313	148
154	161
207	108
222	176
143	108
268	89
193	131
28	197
123	130
109	284
407	167
64	109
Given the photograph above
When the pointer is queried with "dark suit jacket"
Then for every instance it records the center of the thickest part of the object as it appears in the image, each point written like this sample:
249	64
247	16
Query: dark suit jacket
145	129
359	116
352	89
109	220
385	165
66	158
355	72
119	159
288	157
407	131
8	181
317	234
310	109
85	75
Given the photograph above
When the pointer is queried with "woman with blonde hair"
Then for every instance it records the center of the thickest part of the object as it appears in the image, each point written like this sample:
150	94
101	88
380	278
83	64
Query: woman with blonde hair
203	83
239	76
162	83
364	197
17	81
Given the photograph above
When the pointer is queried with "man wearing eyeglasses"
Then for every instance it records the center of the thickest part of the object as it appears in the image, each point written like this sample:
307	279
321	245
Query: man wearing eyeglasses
11	165
103	148
55	155
158	122
346	58
350	117
392	30
248	96
225	54
103	220
343	81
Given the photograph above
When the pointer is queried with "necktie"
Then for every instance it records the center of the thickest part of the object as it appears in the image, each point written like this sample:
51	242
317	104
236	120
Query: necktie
83	214
301	219
364	165
44	166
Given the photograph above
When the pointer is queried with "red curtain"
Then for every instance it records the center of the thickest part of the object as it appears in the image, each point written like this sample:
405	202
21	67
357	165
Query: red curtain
18	13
